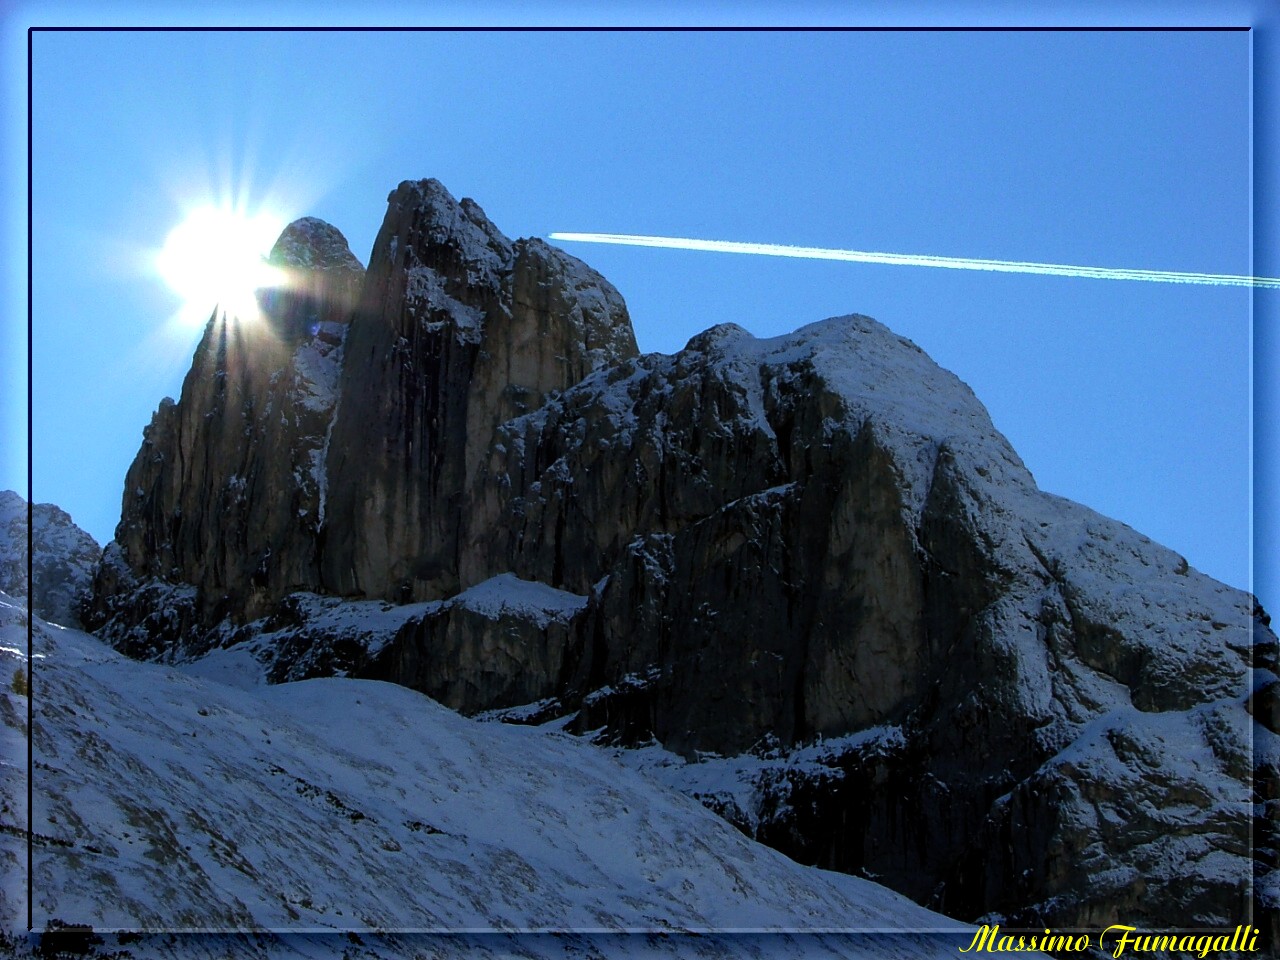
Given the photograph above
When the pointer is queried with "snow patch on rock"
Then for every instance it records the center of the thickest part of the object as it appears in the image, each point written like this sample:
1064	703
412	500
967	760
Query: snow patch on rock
507	595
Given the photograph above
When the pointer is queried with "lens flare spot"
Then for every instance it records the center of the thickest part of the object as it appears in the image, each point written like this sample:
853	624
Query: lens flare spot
216	258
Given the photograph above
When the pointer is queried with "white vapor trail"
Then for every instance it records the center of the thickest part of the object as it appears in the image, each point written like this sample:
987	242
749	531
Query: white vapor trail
917	260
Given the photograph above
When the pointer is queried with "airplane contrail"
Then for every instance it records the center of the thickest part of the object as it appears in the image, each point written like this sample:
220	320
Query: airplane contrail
918	260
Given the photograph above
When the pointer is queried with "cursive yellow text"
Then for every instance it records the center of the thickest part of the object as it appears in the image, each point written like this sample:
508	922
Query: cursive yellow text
1199	944
988	938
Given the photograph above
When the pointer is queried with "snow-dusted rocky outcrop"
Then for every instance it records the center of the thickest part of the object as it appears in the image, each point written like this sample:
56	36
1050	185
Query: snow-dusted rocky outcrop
285	467
752	549
63	558
339	817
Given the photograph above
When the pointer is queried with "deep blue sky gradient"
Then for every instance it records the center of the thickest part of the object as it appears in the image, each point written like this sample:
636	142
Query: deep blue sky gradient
1109	149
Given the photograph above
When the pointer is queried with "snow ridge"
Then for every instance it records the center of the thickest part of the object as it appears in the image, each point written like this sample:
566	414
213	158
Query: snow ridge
507	595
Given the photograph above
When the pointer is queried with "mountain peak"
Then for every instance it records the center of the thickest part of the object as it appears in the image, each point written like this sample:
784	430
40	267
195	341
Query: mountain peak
719	338
63	558
322	281
465	330
426	228
312	243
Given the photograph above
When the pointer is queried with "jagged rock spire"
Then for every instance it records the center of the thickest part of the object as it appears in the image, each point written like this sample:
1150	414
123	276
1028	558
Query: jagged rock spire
226	493
460	330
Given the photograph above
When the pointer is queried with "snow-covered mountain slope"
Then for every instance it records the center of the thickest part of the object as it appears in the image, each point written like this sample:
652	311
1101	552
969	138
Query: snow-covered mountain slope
64	558
165	802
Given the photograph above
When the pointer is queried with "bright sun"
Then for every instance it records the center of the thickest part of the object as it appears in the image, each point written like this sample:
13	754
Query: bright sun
216	257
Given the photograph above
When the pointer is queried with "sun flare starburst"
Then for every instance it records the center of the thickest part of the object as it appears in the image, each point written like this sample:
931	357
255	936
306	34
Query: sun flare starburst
216	258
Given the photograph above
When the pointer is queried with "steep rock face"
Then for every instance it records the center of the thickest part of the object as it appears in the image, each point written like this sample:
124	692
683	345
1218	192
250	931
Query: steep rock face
460	330
63	558
858	500
748	525
493	646
227	493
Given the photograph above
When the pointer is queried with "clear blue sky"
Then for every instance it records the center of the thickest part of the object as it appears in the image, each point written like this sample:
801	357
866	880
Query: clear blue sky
1109	149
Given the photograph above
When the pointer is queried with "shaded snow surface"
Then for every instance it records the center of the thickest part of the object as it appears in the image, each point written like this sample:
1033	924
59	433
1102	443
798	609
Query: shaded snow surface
332	809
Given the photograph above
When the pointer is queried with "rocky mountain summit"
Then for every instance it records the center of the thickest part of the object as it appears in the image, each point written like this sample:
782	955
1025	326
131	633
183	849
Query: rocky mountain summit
63	559
459	330
807	574
227	493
